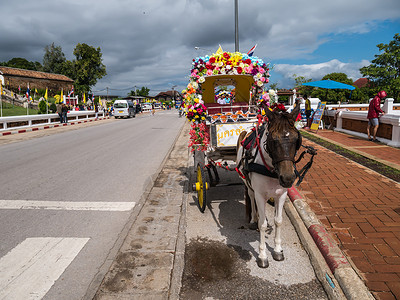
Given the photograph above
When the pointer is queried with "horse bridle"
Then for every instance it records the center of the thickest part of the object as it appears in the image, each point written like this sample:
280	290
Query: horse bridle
285	143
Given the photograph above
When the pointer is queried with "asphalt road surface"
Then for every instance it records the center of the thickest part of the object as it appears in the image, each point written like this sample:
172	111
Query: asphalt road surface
65	197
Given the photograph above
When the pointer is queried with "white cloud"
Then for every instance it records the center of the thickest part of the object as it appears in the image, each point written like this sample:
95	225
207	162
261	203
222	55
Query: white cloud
317	71
151	43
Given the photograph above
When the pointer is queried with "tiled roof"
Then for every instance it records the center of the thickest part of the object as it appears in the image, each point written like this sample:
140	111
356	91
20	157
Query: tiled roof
32	74
361	82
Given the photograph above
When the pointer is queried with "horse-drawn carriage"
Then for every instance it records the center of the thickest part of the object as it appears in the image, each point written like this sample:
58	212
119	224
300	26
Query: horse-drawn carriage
236	130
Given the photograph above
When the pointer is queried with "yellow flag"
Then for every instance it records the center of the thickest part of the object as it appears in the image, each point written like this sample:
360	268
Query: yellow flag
219	51
1	89
84	98
45	95
62	97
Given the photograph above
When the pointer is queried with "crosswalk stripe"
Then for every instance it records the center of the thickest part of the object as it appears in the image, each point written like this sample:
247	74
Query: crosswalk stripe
30	269
66	205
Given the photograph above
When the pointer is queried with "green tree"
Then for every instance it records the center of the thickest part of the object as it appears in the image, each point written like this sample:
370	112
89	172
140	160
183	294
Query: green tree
384	71
22	63
53	59
87	68
333	95
143	92
302	89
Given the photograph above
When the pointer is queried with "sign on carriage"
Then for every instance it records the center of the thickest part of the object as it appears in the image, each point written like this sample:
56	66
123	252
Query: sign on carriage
318	115
228	133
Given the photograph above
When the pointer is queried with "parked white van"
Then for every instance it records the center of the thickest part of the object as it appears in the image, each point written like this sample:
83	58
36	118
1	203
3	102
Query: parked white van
124	108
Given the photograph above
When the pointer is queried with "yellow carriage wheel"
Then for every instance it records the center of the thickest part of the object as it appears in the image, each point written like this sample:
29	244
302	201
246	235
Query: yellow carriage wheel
201	188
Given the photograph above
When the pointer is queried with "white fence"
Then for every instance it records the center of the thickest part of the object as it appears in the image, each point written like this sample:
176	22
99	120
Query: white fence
391	117
18	122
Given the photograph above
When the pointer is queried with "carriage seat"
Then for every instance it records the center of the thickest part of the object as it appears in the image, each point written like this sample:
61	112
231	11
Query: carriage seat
215	108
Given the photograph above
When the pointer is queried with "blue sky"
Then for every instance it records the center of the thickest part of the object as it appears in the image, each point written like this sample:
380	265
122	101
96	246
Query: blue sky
152	43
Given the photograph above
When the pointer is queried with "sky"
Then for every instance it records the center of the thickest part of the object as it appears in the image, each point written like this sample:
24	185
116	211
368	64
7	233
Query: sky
152	43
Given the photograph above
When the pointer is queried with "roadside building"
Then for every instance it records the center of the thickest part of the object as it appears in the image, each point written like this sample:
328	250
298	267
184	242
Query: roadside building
13	79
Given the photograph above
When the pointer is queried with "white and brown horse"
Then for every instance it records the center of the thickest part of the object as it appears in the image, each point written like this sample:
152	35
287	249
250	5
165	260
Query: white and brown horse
269	170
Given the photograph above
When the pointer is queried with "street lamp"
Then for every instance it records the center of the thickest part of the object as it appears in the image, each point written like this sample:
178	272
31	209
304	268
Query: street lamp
199	48
236	27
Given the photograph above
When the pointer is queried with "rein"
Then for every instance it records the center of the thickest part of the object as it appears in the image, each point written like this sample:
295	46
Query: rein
259	150
310	150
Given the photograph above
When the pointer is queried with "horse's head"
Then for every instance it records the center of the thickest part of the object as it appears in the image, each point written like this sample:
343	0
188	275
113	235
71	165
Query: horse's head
282	142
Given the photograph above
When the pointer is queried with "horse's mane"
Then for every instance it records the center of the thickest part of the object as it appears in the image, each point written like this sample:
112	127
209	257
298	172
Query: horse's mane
281	122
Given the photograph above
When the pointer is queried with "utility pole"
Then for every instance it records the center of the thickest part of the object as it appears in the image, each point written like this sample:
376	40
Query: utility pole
107	93
236	27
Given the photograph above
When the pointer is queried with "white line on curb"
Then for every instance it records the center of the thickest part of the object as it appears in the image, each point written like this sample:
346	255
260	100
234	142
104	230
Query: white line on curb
66	205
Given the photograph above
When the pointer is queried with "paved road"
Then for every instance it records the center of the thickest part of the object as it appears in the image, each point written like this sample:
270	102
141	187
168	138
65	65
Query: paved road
65	198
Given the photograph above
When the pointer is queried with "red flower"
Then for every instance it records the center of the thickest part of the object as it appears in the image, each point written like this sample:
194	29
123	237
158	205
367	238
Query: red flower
247	61
212	60
226	55
240	70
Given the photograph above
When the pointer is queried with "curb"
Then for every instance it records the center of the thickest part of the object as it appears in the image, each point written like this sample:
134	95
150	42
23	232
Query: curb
351	284
50	126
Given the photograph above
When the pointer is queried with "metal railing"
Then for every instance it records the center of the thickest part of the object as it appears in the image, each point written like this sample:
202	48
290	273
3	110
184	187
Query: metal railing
18	122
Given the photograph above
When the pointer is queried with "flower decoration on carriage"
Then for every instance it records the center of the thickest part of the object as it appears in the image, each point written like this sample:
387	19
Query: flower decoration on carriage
199	137
197	113
230	63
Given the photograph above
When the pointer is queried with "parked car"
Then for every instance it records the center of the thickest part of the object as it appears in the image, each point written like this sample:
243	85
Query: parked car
124	108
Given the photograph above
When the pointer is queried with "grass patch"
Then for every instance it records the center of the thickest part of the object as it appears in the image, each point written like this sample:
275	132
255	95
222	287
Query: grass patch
9	110
374	165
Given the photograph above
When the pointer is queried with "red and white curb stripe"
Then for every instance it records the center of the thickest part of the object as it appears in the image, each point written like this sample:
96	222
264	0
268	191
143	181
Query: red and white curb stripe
49	126
351	284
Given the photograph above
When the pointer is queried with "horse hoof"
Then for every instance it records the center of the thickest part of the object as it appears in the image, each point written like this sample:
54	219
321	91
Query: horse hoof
278	256
253	226
262	263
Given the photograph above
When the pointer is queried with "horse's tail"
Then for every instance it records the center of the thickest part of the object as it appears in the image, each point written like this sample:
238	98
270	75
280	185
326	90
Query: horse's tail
240	139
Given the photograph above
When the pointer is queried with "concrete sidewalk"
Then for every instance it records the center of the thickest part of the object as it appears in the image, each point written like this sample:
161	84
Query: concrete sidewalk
359	208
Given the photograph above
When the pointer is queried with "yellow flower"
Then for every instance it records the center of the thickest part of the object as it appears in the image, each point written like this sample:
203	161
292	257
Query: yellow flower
203	118
196	100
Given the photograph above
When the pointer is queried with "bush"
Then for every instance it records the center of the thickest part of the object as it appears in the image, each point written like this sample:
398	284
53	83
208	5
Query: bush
42	107
53	108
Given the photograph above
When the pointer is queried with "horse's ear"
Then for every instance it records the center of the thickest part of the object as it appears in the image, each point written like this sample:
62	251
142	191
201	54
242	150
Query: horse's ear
268	112
295	112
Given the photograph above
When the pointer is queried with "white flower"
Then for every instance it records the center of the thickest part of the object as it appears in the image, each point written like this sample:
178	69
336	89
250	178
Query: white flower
195	85
223	71
228	67
259	83
220	64
201	79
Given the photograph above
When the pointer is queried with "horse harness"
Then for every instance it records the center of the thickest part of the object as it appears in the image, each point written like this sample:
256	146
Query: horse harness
253	141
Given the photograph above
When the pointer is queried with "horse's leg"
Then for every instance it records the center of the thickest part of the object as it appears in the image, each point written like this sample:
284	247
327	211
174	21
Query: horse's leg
247	201
254	216
262	260
278	251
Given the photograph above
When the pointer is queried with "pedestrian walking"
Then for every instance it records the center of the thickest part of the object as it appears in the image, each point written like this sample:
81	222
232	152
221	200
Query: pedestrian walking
374	112
96	110
59	112
153	109
64	113
307	110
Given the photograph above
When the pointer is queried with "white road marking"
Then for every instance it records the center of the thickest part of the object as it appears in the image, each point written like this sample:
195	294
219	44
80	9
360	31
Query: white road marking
66	205
29	270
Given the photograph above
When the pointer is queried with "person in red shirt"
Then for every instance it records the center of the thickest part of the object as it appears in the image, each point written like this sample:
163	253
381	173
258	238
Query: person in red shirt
374	112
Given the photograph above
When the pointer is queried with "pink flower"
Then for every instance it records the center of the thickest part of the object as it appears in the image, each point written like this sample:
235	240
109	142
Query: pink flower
261	70
209	72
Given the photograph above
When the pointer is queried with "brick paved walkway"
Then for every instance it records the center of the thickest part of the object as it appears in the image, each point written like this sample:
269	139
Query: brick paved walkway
360	209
